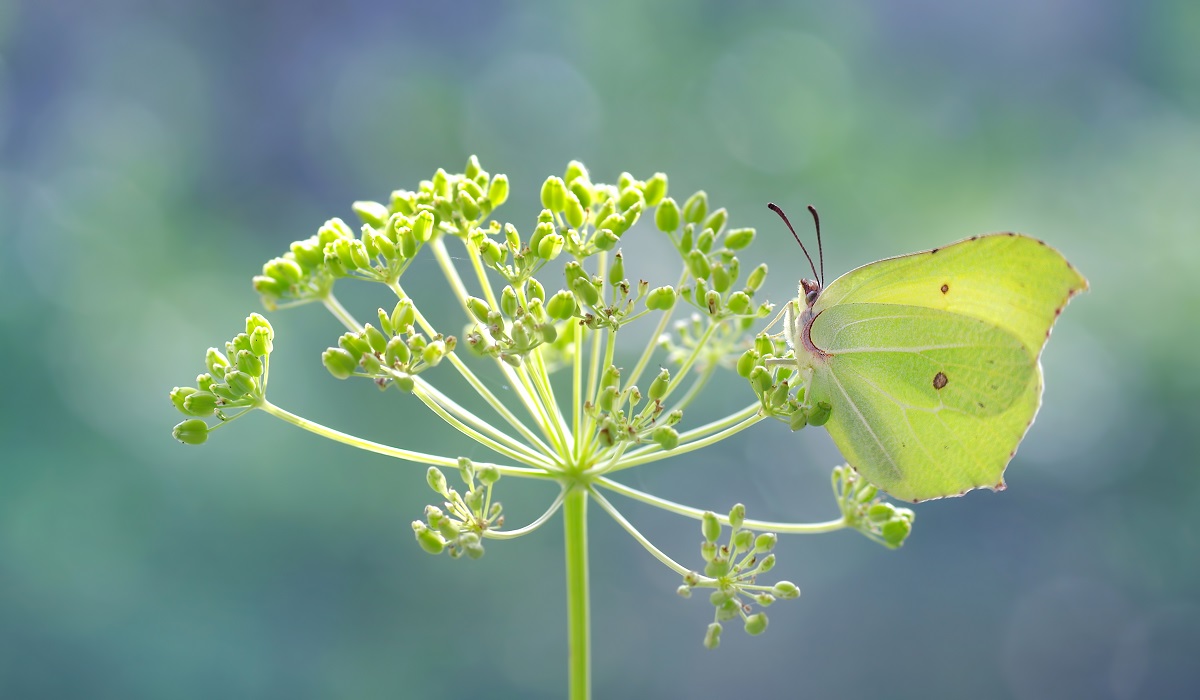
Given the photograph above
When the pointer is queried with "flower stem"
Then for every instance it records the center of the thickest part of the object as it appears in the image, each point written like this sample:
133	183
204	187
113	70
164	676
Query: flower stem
579	663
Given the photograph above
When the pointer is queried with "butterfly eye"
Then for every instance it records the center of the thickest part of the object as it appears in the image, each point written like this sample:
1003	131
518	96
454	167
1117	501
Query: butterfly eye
811	297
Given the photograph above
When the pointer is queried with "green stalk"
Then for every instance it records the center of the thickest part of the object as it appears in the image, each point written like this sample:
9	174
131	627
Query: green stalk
579	662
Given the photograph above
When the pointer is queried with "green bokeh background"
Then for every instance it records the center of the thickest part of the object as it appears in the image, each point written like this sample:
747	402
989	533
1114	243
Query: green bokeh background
153	155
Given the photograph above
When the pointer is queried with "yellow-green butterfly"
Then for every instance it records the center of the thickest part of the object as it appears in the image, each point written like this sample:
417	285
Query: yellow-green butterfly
930	361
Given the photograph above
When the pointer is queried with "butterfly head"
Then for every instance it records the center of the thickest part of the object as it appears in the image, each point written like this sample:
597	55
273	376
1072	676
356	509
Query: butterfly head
810	290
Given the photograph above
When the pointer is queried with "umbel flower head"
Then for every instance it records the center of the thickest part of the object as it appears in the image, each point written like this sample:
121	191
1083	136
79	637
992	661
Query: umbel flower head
545	308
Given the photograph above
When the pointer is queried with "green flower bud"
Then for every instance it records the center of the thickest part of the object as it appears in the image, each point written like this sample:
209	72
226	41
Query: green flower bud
760	379
241	383
471	187
616	272
704	242
819	414
575	171
721	279
739	303
629	198
340	363
200	403
403	315
488	474
554	194
437	481
285	270
333	230
586	292
216	362
478	308
716	220
605	239
178	394
626	180
747	362
710	526
687	240
655	189
658	387
422	226
249	363
191	432
269	287
508	301
468	206
548	331
309	253
223	391
763	344
708	551
550	246
683	592
712	636
497	191
798	420
535	291
429	540
743	540
403	202
756	624
894	532
881	512
613	222
712	302
372	213
396	353
666	217
698	264
204	381
661	299
666	437
374	338
779	394
611	376
757	277
785	590
441	182
561	306
434	352
405	383
695	207
737	515
608	396
491	251
574	210
739	238
582	189
765	542
473	548
472	168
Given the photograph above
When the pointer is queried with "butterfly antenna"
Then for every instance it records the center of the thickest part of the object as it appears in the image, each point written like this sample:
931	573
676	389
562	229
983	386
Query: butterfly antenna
820	248
775	208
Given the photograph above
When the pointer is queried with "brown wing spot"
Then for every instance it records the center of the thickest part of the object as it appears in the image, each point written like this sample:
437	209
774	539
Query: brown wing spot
939	380
945	288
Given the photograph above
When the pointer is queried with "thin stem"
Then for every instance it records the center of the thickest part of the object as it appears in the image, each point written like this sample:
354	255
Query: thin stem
648	352
579	657
335	307
406	455
512	534
577	394
697	514
691	440
508	447
633	531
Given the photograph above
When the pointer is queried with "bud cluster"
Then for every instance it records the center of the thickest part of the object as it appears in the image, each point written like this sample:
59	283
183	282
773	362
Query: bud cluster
458	528
524	321
772	380
236	378
864	511
618	418
391	236
394	353
731	568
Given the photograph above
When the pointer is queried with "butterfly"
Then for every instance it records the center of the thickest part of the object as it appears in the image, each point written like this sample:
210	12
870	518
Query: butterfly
930	362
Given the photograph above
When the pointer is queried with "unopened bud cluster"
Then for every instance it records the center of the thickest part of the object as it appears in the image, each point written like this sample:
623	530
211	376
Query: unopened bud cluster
624	414
236	379
866	512
457	528
731	569
393	353
770	381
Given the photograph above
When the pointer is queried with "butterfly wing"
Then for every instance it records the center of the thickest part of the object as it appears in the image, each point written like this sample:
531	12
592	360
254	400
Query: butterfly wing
931	360
1015	282
926	403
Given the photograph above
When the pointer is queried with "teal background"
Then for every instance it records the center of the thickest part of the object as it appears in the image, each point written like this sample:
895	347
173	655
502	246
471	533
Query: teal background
153	155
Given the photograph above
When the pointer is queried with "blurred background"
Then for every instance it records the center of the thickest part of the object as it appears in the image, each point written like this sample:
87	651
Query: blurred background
153	155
